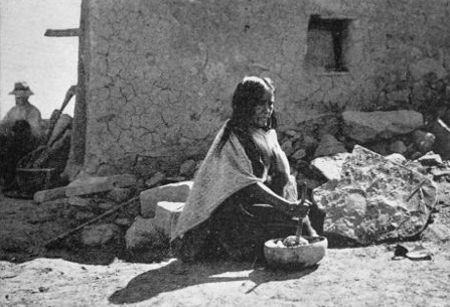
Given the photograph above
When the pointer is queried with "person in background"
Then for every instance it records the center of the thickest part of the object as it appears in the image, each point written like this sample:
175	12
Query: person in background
21	132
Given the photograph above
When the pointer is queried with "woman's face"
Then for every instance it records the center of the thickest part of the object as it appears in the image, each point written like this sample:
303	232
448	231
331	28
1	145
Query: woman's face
263	111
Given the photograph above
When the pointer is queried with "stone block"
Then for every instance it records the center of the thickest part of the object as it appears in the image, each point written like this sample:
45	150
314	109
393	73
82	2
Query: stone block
90	185
174	192
166	216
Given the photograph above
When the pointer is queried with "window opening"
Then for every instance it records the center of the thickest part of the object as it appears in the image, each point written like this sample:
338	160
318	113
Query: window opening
326	42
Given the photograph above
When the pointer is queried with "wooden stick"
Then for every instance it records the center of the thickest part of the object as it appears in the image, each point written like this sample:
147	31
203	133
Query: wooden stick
104	214
298	233
416	189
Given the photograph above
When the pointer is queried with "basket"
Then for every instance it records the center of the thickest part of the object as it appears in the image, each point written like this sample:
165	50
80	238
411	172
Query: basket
31	180
297	257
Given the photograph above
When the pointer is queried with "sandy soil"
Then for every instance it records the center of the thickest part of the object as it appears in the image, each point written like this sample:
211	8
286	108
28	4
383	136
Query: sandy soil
345	277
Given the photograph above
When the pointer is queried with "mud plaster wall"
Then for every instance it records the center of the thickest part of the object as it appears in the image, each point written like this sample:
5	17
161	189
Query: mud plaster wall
161	73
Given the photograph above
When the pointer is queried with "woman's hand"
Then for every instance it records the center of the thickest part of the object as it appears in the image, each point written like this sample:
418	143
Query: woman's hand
297	209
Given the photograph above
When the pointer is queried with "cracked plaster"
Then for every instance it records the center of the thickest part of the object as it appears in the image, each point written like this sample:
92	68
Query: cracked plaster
161	73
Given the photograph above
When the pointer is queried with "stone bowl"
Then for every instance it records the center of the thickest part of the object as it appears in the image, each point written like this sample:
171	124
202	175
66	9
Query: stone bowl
296	257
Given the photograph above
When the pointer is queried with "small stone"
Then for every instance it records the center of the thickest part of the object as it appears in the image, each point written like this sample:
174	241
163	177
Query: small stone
299	154
430	159
80	202
402	96
142	234
188	168
119	195
287	147
291	133
96	235
423	140
106	205
155	180
398	147
396	158
123	221
84	216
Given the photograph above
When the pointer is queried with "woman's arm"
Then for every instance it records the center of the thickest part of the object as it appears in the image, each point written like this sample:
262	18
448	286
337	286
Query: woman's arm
263	194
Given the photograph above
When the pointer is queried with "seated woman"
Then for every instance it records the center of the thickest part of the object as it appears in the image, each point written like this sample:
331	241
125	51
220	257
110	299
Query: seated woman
243	193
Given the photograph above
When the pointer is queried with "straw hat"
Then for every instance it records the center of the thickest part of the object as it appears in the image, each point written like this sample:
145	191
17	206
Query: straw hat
21	89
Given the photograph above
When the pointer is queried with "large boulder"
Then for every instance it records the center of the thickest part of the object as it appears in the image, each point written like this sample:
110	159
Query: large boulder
369	126
174	192
375	199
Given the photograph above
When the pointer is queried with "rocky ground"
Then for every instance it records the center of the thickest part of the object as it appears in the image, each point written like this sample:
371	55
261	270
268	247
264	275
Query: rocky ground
69	275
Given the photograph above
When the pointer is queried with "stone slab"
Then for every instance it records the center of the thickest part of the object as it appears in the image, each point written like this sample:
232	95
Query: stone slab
91	185
51	194
166	216
369	126
174	192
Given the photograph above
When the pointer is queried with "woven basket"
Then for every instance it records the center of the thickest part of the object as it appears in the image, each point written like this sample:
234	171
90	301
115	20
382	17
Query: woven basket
31	180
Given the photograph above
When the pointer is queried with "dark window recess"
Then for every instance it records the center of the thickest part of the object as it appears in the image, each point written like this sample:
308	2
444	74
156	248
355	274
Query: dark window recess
327	42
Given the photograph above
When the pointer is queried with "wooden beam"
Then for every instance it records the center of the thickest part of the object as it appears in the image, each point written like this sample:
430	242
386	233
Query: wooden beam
62	32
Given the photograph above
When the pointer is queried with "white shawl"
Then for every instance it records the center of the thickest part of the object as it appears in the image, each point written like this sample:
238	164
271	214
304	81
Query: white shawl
221	175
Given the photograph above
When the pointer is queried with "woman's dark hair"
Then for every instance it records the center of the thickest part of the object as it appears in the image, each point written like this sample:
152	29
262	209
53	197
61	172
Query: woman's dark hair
247	95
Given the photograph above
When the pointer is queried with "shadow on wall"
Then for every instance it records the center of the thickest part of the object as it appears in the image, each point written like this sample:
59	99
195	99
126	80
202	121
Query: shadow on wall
177	275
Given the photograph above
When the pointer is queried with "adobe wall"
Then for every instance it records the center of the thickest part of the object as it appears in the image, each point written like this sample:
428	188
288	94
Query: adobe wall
161	73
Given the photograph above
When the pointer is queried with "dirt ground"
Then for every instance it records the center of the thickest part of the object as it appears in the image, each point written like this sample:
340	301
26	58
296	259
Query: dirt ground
81	277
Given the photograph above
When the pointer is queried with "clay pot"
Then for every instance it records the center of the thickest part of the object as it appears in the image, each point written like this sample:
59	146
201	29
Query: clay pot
296	257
